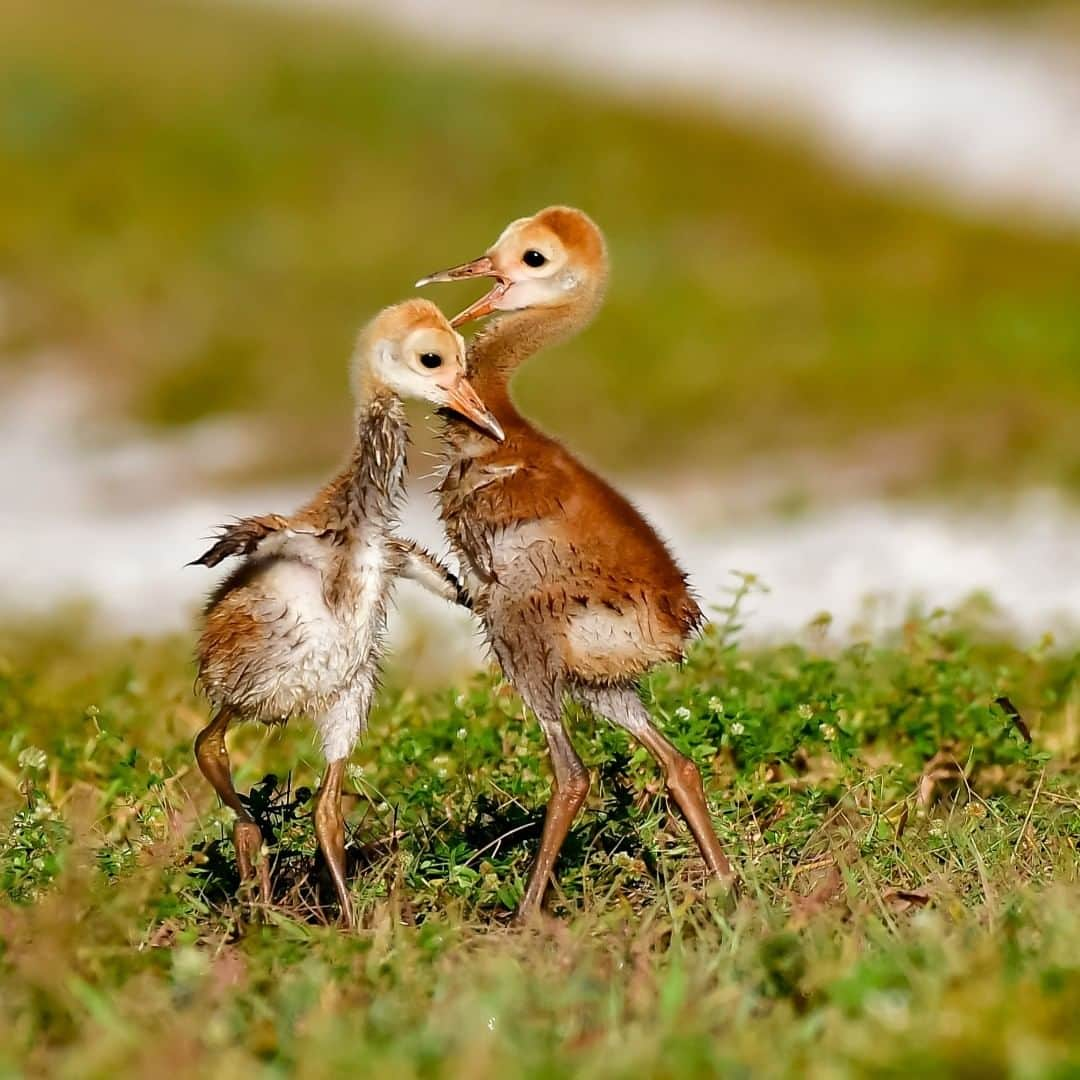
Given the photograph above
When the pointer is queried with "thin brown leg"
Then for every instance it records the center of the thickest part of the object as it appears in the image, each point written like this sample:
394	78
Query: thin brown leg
330	830
212	755
684	785
624	707
571	787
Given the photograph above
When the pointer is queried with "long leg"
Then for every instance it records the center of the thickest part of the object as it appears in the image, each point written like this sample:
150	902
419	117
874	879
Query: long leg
532	666
212	755
568	795
622	706
340	726
330	830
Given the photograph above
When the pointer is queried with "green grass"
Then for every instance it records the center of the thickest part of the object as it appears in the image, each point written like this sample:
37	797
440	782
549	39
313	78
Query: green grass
874	936
204	203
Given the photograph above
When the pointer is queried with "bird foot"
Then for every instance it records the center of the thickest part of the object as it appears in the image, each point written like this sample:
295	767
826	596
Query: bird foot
253	865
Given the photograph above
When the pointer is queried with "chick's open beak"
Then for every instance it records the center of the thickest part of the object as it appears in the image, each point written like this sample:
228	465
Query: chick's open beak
462	398
482	267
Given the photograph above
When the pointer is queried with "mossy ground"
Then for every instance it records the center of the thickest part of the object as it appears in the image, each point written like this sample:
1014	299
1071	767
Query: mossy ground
878	932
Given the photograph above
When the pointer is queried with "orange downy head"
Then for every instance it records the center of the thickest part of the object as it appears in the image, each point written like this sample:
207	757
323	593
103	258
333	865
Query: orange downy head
554	258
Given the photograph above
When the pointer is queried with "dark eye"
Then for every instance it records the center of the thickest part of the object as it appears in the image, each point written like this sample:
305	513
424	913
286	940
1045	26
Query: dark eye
533	258
431	359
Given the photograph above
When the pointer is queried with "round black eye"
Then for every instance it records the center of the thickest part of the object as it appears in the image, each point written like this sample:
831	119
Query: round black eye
431	359
533	258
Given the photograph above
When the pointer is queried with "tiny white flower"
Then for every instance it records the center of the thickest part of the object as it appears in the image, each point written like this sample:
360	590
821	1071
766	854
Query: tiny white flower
736	728
828	732
806	711
716	705
33	757
682	712
462	733
461	701
355	772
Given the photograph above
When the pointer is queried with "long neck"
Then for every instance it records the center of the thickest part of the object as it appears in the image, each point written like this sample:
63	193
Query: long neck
372	483
509	340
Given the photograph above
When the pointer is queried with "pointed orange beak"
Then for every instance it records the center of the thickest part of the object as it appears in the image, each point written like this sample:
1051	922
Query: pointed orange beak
482	267
462	398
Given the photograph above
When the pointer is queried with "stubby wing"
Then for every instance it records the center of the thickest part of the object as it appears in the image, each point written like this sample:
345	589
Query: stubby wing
242	537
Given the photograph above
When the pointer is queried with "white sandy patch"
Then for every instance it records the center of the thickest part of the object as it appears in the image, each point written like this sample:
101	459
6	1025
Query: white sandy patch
987	115
111	518
115	523
868	563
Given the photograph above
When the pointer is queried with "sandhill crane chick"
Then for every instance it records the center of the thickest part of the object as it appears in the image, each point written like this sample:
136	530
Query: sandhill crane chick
298	627
577	593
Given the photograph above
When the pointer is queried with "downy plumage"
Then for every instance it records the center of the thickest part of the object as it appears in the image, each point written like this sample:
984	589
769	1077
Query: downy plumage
577	593
297	628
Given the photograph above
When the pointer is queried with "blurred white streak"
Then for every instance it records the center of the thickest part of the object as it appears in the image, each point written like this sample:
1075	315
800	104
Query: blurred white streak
115	524
988	116
867	563
110	518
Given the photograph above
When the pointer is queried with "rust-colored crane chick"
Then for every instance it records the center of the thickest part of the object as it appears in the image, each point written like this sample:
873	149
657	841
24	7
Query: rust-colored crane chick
577	593
298	627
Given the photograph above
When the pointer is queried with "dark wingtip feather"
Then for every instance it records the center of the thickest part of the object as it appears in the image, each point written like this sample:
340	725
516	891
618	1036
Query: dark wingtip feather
229	542
213	556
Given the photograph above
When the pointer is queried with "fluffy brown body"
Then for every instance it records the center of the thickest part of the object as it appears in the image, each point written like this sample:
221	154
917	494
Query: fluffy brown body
268	647
551	549
577	593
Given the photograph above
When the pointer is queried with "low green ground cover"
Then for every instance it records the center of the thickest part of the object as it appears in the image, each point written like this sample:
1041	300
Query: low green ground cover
909	863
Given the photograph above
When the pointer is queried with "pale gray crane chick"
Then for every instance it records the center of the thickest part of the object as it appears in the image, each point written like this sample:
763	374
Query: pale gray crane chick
297	628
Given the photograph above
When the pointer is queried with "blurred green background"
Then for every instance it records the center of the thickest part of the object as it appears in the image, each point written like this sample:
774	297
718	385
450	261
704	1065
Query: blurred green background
199	206
203	203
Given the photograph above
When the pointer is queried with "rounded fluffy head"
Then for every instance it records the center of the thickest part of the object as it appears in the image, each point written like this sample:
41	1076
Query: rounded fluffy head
399	348
554	256
554	259
412	350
